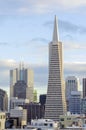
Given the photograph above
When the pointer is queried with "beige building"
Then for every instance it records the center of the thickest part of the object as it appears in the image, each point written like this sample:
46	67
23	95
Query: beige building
55	100
20	113
2	120
70	120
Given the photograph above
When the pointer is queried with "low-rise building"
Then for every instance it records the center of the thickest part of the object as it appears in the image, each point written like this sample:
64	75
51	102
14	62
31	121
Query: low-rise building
69	120
2	120
15	102
20	113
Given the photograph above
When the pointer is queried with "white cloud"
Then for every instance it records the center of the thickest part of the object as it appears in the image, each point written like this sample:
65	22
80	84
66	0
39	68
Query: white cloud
37	6
41	6
74	45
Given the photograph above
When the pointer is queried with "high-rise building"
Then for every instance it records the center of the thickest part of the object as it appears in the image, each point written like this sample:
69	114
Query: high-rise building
42	100
75	102
71	84
23	79
55	100
3	100
84	87
34	111
83	106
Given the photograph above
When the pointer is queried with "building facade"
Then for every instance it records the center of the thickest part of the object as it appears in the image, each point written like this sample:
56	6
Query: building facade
70	120
19	112
83	106
84	87
15	102
55	100
2	120
42	101
34	111
75	102
23	79
71	84
3	100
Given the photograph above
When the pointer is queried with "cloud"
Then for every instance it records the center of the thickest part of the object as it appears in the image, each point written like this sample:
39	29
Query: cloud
74	45
7	64
43	6
39	6
4	43
76	68
67	27
39	39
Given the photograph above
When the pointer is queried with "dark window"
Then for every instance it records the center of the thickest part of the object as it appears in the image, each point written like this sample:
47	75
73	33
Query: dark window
62	119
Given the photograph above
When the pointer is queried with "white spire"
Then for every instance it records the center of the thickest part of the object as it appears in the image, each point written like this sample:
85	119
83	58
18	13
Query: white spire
55	32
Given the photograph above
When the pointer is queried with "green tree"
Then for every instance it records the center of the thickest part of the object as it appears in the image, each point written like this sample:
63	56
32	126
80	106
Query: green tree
35	95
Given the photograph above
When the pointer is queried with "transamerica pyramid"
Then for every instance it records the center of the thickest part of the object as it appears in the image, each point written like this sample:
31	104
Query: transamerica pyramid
55	100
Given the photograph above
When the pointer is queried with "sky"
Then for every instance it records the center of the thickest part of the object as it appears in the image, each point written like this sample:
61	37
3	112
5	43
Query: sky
26	28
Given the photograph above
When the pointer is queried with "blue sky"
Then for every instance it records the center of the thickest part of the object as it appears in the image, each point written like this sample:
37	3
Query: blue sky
26	28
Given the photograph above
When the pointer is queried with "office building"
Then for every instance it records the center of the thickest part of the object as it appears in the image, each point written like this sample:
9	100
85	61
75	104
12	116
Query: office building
74	102
71	84
3	100
19	112
34	111
84	87
42	99
21	83
83	106
15	102
55	100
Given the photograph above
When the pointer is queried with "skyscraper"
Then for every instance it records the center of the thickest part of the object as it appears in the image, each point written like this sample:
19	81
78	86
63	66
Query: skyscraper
84	87
22	77
74	102
71	84
3	100
55	100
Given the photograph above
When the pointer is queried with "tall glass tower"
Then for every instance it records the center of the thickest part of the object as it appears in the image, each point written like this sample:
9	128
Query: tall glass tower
55	100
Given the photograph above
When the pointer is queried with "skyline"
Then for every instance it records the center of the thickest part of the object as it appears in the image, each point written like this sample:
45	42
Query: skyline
26	28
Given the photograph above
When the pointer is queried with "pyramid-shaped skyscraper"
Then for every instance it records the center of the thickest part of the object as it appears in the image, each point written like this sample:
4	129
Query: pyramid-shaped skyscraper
55	100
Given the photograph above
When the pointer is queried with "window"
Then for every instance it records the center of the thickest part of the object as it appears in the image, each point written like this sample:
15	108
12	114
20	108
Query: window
62	119
51	125
45	124
68	118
